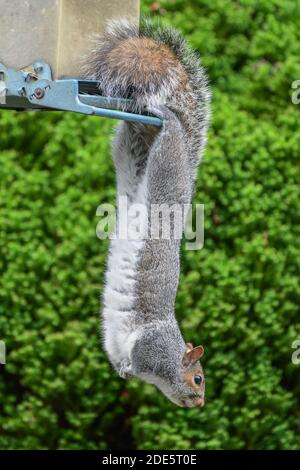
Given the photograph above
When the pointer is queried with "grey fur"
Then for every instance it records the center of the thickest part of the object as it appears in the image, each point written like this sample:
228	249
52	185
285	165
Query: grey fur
167	161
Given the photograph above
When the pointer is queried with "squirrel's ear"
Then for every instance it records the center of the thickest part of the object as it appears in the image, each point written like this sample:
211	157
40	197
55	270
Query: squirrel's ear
193	355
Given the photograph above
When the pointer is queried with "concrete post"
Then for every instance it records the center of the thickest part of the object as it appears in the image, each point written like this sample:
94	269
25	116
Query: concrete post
56	31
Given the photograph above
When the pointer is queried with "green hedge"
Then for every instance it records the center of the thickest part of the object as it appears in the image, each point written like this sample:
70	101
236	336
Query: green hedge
239	296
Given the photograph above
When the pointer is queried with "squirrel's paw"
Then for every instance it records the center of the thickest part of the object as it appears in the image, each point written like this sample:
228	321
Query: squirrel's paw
125	369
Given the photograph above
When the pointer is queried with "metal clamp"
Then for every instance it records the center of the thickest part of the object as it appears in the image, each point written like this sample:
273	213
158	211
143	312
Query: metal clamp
32	88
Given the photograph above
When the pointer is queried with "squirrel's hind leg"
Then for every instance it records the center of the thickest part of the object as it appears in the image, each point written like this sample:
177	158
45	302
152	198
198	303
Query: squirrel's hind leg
168	169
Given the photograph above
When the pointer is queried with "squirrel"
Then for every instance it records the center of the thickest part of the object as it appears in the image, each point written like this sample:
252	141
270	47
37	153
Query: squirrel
161	74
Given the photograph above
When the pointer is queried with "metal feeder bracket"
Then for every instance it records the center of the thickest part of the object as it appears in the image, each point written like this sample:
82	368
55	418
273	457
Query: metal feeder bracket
32	88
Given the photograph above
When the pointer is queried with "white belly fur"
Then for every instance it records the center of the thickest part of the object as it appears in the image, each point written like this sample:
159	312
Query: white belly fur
119	294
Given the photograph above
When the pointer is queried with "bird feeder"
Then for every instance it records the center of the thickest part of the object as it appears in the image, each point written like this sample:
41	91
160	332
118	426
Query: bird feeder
41	50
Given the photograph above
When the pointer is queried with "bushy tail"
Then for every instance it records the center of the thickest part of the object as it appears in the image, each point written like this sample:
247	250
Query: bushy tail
151	65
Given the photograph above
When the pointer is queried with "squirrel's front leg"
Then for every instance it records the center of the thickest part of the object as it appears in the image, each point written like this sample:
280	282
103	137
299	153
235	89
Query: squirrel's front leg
124	369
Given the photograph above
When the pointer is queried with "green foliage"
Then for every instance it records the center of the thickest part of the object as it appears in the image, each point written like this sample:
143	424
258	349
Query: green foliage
239	296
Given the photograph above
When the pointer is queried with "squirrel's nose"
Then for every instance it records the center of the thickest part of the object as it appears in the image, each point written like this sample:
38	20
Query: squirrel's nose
199	403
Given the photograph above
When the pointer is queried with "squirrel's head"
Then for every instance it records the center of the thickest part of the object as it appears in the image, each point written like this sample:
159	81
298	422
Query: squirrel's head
187	387
183	383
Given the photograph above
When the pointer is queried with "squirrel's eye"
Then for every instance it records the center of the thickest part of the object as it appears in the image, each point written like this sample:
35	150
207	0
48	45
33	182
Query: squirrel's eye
198	379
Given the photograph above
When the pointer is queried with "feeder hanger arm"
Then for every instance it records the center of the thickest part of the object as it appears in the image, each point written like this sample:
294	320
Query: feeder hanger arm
33	88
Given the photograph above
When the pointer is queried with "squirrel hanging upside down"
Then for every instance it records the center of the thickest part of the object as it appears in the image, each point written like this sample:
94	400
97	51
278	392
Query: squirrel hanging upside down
158	71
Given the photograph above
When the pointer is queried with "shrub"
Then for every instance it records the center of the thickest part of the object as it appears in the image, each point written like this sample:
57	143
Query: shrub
239	296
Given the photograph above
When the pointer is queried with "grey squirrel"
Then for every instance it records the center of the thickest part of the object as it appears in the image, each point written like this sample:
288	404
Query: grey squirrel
156	68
